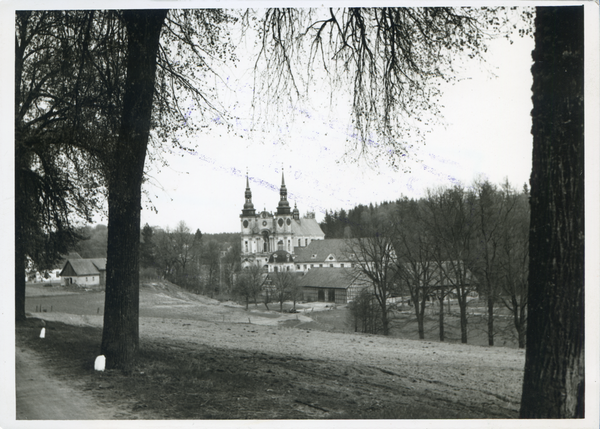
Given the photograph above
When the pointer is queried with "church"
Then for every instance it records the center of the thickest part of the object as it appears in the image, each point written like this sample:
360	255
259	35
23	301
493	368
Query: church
284	241
272	239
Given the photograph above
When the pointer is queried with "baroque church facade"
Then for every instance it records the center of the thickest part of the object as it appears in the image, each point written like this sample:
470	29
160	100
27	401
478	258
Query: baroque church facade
284	241
273	238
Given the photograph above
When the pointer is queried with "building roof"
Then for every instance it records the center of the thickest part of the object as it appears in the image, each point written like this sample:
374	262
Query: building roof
83	267
333	278
321	250
307	227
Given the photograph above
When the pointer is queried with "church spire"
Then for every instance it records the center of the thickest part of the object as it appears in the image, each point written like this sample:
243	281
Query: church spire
284	206
248	206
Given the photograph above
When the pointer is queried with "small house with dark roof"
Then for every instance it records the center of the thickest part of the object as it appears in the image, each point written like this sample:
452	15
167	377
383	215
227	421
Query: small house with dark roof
84	272
336	285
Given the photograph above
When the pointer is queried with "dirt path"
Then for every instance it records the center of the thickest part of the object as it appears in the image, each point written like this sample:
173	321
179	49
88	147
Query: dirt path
40	396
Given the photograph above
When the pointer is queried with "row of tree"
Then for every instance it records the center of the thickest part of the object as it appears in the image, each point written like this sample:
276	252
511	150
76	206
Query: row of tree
191	260
454	243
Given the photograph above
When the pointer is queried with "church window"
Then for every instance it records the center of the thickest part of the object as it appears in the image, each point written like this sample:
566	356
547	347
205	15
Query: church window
280	245
287	268
245	224
330	257
342	265
280	222
297	267
264	223
299	241
320	265
304	266
289	245
275	269
306	242
331	265
312	265
246	243
288	221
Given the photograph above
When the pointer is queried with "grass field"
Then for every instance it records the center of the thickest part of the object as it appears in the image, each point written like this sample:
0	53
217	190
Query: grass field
201	359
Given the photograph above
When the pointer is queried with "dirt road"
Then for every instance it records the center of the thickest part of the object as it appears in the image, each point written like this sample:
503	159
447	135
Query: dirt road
40	396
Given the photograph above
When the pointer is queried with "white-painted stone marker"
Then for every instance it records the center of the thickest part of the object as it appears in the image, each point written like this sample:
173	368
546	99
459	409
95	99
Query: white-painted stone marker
100	363
43	333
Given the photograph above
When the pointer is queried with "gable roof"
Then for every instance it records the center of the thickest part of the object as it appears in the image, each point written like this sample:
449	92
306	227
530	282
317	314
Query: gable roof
319	251
333	278
307	227
83	267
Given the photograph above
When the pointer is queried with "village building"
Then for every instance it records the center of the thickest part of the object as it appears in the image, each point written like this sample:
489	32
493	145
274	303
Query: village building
336	285
84	272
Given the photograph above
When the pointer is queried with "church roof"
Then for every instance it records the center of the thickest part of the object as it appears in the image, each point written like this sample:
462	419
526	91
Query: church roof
307	227
320	250
334	278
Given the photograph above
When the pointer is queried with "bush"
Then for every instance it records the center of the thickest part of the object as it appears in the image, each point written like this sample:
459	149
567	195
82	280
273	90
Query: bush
365	314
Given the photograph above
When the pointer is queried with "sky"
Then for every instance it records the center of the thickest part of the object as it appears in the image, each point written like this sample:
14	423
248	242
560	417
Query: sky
484	133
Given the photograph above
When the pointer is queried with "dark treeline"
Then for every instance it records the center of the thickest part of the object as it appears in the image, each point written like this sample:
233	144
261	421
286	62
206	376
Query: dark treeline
342	223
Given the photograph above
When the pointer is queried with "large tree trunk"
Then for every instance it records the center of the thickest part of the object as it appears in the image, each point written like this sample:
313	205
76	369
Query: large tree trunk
420	310
462	305
441	317
490	321
553	385
19	267
120	336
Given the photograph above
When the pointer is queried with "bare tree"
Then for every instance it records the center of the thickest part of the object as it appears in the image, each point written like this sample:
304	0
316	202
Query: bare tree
284	286
374	259
414	247
249	283
492	213
514	259
452	225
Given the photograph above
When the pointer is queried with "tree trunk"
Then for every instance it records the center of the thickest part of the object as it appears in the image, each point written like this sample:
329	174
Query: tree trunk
441	318
462	304
385	322
553	385
490	303
120	336
19	269
420	324
519	323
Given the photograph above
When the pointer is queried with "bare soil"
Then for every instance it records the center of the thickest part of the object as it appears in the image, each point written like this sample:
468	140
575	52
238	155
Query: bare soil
201	359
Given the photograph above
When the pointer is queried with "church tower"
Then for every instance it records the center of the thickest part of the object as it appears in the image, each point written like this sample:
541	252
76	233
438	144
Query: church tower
248	220
283	220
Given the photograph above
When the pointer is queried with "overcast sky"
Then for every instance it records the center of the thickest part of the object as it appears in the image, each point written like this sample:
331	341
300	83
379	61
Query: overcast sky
485	132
